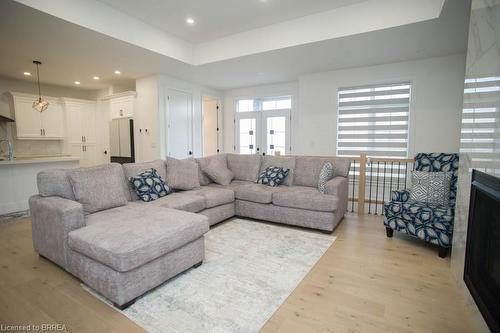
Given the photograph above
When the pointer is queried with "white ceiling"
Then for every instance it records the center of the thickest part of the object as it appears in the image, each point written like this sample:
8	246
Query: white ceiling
71	52
219	18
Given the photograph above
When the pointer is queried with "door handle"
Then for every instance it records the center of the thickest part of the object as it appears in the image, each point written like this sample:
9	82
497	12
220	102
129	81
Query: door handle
44	132
190	153
41	131
105	152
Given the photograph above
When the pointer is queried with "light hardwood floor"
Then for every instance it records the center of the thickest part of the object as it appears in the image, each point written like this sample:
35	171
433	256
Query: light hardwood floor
365	282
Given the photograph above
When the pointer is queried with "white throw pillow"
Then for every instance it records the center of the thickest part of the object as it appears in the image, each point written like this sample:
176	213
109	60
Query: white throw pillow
326	173
431	187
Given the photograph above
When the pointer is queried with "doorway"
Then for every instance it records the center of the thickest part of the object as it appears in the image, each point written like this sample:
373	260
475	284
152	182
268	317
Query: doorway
211	130
266	133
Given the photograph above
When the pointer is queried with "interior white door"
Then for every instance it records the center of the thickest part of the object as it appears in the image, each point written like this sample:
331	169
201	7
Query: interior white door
179	124
210	127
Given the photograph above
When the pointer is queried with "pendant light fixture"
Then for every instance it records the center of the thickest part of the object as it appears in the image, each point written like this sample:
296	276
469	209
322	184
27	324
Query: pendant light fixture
39	104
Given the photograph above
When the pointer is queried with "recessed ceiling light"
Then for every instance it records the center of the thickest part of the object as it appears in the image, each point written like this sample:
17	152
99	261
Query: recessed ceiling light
118	72
96	77
190	20
27	73
77	82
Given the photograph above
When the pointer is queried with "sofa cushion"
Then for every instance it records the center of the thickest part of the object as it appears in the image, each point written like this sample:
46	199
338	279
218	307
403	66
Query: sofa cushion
203	163
149	186
256	192
55	182
218	172
273	176
214	196
130	237
182	174
183	200
285	162
101	187
307	169
133	169
244	167
309	199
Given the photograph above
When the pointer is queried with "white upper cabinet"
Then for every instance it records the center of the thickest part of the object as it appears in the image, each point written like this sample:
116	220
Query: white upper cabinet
122	106
31	124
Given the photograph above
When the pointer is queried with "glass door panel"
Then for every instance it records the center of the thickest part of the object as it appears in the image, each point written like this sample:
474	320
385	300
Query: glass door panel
247	136
276	136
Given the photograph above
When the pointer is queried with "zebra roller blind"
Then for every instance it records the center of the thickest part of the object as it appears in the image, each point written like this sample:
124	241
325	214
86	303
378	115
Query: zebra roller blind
374	120
480	136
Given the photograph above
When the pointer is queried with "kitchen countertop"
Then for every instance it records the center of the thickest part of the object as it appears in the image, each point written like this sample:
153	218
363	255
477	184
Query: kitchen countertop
38	159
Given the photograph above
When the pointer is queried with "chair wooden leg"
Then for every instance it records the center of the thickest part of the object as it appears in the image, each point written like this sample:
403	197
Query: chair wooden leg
389	232
443	252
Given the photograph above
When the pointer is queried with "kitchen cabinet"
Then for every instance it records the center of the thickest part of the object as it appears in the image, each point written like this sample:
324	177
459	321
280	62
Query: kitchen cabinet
34	125
122	107
81	121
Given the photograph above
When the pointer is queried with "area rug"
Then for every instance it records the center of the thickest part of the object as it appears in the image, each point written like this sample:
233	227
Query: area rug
250	268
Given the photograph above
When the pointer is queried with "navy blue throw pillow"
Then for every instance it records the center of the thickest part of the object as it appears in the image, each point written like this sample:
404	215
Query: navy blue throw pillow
149	186
273	176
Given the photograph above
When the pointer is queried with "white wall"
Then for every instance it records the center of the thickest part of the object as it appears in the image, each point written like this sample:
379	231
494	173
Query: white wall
150	113
230	97
436	105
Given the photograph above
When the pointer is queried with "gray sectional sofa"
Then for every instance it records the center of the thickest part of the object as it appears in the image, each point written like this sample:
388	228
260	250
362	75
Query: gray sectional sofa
90	222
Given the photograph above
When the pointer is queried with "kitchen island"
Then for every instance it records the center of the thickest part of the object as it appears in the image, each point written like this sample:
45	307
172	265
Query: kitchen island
18	178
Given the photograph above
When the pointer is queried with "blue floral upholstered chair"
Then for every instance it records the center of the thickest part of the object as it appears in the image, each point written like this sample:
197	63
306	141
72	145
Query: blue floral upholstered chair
429	222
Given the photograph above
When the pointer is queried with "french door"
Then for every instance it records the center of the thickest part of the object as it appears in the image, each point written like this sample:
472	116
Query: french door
263	132
179	124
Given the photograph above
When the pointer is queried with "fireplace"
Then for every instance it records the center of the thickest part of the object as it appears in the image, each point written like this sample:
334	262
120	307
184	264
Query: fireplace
482	254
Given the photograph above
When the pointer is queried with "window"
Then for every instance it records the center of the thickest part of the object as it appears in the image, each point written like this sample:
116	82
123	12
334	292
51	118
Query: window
480	135
264	104
374	120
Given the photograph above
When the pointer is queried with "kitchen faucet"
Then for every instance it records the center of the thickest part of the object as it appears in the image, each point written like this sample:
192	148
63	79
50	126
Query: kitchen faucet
10	150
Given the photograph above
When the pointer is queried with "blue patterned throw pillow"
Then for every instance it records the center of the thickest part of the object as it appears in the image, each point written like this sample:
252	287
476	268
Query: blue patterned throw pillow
149	186
273	176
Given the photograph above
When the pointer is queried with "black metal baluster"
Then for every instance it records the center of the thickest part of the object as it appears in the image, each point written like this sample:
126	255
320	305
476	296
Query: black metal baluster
376	189
406	172
399	171
353	184
383	190
370	196
392	175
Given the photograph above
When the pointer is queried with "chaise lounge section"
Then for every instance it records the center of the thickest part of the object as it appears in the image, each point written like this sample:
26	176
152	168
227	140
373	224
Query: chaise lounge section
91	222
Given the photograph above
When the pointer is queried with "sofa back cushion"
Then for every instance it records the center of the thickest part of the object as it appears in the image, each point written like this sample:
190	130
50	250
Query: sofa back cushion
133	169
55	182
285	162
308	168
244	167
203	163
99	188
182	174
